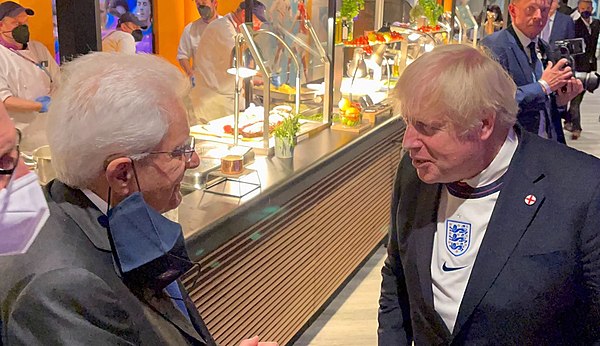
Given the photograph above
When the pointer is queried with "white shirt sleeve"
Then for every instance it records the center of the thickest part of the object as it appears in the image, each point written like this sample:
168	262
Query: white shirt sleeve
119	42
127	44
185	49
5	91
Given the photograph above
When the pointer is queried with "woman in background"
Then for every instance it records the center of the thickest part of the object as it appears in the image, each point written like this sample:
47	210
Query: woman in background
494	20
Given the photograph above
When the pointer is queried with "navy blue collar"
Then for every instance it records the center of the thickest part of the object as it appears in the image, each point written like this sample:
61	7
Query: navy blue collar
463	190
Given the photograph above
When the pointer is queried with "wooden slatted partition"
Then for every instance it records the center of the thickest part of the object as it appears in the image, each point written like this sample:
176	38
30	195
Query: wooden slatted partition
275	276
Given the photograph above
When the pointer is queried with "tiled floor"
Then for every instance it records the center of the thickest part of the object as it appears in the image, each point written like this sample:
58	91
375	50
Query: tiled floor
351	319
590	136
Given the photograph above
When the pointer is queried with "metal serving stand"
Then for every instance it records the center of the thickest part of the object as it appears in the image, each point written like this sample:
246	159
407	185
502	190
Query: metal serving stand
246	40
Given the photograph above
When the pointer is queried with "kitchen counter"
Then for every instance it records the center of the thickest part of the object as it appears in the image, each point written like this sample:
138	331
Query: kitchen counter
274	258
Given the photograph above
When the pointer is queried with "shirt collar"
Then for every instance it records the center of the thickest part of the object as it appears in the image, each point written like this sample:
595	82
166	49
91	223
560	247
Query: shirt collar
499	165
551	18
10	45
586	21
525	41
98	202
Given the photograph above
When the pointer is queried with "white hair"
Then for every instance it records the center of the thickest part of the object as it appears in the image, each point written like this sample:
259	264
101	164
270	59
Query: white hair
459	83
109	104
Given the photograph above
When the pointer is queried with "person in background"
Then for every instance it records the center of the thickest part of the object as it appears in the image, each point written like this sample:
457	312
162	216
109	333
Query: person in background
279	13
587	28
23	208
489	243
105	267
124	38
188	43
564	8
28	74
559	26
494	19
540	93
117	7
143	11
215	86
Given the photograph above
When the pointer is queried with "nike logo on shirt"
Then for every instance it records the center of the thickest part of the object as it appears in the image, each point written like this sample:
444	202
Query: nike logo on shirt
450	269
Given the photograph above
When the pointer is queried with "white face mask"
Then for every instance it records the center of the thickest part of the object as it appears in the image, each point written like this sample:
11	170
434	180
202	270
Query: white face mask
23	212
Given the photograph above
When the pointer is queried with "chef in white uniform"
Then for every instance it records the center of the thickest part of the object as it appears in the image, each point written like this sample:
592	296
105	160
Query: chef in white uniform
28	73
187	49
213	58
124	38
192	33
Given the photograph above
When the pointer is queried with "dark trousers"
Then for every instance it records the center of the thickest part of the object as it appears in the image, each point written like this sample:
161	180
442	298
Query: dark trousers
574	115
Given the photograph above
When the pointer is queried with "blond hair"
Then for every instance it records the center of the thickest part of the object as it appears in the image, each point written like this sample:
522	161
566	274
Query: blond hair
459	84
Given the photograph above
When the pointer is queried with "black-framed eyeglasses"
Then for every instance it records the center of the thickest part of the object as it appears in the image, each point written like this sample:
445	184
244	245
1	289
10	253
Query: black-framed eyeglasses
9	161
186	150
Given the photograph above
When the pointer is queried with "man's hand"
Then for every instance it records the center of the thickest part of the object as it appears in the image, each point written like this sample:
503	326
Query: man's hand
254	342
557	75
572	88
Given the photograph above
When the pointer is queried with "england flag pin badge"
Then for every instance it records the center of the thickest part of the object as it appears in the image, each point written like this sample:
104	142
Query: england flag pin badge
530	200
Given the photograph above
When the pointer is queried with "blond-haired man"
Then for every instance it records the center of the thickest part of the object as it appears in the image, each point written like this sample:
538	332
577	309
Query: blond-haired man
489	244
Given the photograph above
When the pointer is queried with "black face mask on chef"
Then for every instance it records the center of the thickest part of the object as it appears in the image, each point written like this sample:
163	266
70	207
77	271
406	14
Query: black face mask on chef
148	248
21	34
137	35
205	12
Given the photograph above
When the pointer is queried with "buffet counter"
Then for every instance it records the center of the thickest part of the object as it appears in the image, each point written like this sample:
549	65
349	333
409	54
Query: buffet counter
272	260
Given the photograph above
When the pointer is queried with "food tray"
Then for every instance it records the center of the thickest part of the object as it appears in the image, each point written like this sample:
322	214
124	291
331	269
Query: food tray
354	129
371	43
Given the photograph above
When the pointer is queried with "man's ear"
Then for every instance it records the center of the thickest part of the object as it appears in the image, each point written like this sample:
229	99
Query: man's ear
119	175
511	10
488	123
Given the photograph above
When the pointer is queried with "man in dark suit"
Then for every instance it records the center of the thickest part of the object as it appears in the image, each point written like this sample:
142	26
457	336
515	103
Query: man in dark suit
105	267
540	94
564	7
587	28
559	26
489	243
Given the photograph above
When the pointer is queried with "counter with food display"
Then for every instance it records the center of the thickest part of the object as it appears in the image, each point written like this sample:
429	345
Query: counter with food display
272	258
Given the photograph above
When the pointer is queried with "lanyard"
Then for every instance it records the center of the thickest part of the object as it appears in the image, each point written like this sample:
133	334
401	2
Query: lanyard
39	65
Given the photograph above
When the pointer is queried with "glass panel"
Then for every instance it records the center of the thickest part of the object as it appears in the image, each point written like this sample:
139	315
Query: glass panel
397	10
286	21
111	10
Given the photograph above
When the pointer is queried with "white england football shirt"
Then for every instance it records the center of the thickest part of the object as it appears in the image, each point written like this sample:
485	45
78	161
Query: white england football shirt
463	215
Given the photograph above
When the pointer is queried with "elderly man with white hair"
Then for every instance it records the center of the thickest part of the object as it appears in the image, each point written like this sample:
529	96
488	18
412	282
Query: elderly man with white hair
489	243
105	268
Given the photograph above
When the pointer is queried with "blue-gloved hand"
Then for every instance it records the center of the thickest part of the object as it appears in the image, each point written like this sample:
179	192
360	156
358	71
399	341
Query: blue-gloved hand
276	80
193	80
45	101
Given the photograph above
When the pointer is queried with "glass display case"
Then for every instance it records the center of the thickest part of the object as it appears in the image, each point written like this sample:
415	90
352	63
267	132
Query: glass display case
290	74
368	65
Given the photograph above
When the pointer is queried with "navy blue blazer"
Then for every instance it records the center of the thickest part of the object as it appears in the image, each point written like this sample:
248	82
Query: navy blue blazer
530	96
563	28
587	62
536	279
